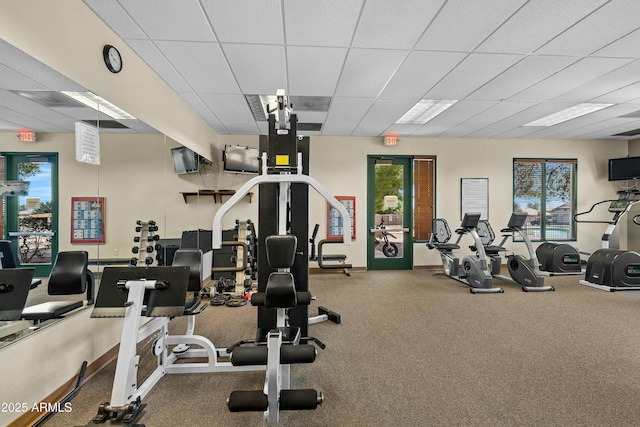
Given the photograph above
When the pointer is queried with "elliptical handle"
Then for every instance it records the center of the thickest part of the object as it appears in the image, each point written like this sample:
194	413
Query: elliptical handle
575	216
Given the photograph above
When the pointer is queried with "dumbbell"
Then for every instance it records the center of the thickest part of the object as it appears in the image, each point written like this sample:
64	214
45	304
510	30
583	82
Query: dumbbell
135	249
133	261
148	260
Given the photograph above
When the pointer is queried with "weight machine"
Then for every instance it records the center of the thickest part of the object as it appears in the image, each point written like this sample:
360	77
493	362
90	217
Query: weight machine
611	268
283	287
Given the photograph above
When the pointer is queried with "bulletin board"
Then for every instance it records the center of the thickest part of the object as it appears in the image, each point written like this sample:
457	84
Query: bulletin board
334	219
87	221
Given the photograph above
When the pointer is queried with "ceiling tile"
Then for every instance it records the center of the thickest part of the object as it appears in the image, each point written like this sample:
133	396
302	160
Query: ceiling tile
170	20
462	24
387	110
321	23
338	129
148	51
258	69
581	72
323	63
241	128
613	81
525	73
228	107
115	16
473	72
389	25
202	65
345	109
610	22
516	120
536	23
420	72
625	47
367	71
630	94
246	21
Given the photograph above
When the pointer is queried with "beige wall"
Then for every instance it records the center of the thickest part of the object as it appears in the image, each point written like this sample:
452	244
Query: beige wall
136	177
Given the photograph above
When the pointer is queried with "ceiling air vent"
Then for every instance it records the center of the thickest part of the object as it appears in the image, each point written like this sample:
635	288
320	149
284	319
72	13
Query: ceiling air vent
106	124
309	127
48	98
629	133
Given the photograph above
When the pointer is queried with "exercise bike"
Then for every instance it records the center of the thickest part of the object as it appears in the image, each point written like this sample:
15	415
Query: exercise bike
389	249
523	272
610	268
475	271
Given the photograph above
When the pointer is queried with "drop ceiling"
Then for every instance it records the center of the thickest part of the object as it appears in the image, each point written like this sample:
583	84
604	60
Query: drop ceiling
507	62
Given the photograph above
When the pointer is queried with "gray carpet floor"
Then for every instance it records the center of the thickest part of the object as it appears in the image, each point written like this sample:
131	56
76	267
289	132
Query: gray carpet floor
415	348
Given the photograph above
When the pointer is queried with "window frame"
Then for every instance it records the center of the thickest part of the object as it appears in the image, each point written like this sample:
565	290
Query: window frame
543	199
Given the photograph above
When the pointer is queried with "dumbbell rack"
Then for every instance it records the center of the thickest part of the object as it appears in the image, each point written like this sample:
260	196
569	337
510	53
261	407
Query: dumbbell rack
146	243
246	232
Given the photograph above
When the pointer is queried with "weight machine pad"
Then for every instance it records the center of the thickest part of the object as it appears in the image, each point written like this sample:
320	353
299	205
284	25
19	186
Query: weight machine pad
168	302
14	288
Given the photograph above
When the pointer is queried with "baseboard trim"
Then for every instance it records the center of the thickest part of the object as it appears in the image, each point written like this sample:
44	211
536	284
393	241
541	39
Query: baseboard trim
31	417
317	270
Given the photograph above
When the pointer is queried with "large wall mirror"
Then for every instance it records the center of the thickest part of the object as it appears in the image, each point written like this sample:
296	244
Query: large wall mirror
98	208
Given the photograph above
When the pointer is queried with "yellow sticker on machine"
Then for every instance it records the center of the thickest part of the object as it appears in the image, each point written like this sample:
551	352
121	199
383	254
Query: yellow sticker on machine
282	160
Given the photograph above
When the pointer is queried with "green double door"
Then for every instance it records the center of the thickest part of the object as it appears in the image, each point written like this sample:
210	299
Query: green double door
389	213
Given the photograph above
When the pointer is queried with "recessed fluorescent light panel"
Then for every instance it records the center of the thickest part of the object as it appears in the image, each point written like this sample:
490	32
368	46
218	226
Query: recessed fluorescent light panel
568	114
425	110
100	104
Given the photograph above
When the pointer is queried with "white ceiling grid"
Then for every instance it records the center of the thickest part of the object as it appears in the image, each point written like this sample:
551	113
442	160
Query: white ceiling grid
508	62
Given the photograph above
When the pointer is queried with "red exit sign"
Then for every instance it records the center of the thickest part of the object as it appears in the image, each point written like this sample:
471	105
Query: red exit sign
391	140
27	136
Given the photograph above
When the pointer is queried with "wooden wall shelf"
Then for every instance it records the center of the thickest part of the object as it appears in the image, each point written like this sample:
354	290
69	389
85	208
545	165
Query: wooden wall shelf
217	195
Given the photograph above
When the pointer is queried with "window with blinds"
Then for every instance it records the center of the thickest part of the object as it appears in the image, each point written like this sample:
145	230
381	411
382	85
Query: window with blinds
423	196
545	190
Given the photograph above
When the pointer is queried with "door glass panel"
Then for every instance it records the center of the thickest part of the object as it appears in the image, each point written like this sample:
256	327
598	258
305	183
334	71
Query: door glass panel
35	233
389	210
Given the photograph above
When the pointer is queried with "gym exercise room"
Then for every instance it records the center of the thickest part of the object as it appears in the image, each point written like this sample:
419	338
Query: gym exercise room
319	213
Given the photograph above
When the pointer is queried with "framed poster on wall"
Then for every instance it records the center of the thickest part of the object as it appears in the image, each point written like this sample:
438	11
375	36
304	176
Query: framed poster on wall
334	220
474	196
87	220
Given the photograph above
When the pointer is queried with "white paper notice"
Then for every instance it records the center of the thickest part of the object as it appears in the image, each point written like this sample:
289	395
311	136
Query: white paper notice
475	196
87	143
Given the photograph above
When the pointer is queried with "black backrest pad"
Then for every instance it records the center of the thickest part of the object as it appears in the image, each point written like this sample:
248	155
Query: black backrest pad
69	273
281	250
191	258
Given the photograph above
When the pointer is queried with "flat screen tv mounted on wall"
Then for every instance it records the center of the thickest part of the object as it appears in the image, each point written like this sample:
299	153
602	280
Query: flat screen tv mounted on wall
239	159
185	160
624	168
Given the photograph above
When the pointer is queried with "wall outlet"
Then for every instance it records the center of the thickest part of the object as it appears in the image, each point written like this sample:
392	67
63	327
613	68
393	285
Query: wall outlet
116	252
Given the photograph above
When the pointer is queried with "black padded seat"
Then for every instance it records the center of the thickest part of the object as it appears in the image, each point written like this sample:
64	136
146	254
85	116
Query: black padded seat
446	246
69	276
490	249
280	291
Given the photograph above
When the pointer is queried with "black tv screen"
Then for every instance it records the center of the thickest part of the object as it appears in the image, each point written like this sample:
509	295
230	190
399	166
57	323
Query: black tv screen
239	159
624	168
184	160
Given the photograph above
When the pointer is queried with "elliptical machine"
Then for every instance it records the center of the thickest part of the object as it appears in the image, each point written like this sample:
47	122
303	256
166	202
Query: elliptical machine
475	270
610	268
524	272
